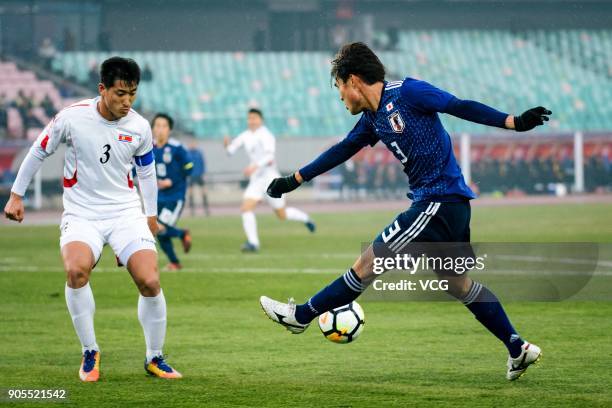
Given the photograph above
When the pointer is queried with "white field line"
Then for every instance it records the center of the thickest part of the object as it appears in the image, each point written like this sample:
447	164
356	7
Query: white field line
604	267
32	268
316	271
324	255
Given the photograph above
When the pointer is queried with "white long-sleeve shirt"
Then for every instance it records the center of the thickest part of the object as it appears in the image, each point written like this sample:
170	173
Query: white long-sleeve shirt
98	161
260	146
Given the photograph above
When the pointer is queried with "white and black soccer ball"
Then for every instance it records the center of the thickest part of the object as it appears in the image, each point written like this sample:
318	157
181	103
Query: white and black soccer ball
342	324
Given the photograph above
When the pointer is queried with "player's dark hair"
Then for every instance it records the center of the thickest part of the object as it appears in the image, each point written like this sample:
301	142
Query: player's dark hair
118	68
163	116
357	59
256	111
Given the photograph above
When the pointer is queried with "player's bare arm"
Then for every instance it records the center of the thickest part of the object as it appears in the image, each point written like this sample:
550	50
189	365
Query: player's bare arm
43	147
153	225
250	169
164	183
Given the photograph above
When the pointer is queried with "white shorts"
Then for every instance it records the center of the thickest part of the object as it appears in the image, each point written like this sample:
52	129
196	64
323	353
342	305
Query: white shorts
125	234
258	184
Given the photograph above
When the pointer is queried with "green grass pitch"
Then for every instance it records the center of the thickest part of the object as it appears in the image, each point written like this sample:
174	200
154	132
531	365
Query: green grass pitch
410	353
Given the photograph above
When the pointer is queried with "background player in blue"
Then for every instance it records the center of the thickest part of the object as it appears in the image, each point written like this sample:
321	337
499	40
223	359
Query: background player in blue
197	182
173	165
404	116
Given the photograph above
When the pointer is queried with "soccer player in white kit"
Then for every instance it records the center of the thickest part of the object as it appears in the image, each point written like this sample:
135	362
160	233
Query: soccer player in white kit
260	146
104	138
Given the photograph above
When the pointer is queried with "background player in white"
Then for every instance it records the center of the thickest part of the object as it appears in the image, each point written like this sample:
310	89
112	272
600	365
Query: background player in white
104	136
260	146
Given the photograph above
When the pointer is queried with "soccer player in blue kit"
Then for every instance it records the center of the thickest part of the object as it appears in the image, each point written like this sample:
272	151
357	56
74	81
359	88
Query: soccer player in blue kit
173	165
404	116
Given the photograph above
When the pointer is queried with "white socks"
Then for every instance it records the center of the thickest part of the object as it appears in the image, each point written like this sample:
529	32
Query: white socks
82	307
152	316
151	313
250	227
294	214
249	223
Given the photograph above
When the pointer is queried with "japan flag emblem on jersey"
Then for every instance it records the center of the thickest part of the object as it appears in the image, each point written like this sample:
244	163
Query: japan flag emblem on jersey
397	123
389	106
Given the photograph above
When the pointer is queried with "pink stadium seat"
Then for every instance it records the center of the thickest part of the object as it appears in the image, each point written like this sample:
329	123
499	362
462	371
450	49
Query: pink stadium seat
7	155
33	133
57	100
15	123
8	66
69	101
11	82
39	114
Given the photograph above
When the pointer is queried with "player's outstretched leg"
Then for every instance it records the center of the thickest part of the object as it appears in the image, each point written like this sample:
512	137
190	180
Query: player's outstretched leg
340	292
186	240
183	234
170	231
249	223
283	314
78	262
165	242
296	318
294	214
489	312
151	312
530	354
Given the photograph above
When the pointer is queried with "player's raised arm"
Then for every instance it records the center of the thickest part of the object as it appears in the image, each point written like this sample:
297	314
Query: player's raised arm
428	98
232	145
359	137
44	146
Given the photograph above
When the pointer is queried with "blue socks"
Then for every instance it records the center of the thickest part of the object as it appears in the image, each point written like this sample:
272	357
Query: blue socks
340	292
165	242
489	312
480	301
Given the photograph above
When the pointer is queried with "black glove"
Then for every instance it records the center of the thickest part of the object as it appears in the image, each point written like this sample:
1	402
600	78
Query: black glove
282	185
531	118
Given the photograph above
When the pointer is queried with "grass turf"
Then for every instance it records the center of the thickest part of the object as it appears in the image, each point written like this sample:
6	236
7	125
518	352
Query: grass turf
410	354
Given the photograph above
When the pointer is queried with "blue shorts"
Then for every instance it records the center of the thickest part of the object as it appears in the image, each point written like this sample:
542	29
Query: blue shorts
433	228
168	212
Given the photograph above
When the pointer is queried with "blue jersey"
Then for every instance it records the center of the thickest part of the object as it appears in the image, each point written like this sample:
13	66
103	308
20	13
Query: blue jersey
172	161
199	163
407	122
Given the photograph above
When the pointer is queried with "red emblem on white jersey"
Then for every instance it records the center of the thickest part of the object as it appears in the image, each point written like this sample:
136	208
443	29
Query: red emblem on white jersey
125	138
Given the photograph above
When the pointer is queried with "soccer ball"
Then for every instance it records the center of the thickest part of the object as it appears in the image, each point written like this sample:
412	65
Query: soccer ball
342	324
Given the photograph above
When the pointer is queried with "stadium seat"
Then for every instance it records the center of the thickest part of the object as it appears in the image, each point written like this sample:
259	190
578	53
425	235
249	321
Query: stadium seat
209	92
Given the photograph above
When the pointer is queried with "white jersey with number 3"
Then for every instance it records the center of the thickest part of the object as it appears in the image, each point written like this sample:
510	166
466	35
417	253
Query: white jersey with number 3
98	161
